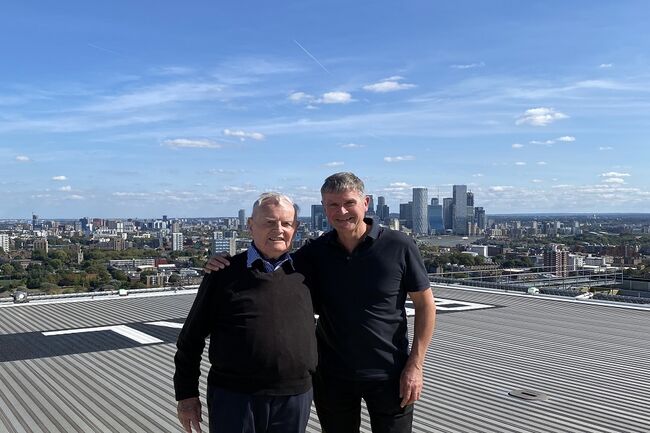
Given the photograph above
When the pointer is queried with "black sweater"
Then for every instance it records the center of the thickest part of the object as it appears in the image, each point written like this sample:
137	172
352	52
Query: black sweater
261	328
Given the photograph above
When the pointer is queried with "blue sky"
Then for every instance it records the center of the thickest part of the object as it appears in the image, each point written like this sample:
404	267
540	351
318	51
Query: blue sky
138	109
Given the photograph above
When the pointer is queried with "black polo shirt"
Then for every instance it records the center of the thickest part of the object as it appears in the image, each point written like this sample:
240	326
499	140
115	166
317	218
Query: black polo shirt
362	328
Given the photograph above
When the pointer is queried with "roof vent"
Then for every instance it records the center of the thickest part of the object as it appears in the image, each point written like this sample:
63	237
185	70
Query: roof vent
20	297
528	394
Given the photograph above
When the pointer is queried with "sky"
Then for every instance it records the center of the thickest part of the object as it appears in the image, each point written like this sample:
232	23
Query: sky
139	109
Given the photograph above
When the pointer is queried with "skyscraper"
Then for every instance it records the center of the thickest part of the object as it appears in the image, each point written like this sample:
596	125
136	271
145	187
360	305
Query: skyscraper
382	211
242	219
448	213
460	209
371	204
481	222
318	219
4	242
406	214
177	241
419	211
434	215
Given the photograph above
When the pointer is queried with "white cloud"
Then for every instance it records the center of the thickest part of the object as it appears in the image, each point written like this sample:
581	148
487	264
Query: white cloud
546	143
540	116
537	181
541	163
399	158
333	164
477	175
391	84
244	135
517	146
179	143
65	188
336	98
75	197
615	174
59	178
520	163
400	184
605	148
468	66
300	97
352	146
567	138
616	180
499	188
606	65
22	158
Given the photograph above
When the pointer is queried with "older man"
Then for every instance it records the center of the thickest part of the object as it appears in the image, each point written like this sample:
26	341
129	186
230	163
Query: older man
258	314
361	274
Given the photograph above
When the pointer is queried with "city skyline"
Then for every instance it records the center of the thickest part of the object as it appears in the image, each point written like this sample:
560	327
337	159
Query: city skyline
121	110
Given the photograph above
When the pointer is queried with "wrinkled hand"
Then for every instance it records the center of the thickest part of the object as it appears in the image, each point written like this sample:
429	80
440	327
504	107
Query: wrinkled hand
189	414
217	262
410	384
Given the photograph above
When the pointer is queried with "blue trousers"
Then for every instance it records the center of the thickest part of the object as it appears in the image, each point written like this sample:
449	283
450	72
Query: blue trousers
233	412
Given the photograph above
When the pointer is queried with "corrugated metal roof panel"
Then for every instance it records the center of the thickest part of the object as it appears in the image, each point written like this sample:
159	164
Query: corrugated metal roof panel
591	360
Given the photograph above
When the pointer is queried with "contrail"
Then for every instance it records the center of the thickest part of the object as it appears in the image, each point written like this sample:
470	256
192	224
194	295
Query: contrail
313	58
97	47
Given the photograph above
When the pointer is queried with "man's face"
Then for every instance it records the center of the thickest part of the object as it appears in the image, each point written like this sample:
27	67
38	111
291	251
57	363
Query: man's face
272	227
345	210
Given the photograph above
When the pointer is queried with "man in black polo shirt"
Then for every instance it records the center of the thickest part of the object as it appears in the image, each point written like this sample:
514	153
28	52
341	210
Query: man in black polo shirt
259	316
361	274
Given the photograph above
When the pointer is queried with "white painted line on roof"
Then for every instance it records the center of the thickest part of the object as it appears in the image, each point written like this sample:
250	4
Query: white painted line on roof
88	298
175	325
123	330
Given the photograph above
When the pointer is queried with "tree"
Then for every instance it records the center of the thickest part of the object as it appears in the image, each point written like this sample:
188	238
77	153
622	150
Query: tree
7	269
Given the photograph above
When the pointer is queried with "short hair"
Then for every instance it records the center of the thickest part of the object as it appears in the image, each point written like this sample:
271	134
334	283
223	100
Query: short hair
341	182
275	198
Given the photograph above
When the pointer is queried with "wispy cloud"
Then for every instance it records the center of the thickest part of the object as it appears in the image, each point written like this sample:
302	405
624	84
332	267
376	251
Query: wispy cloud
606	65
541	163
22	158
616	180
540	116
301	97
500	188
65	188
334	164
352	146
615	174
520	163
399	158
400	185
468	65
605	148
517	146
59	178
567	138
242	135
386	85
179	143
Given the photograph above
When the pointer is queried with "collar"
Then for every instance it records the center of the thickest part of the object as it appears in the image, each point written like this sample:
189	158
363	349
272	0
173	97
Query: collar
253	255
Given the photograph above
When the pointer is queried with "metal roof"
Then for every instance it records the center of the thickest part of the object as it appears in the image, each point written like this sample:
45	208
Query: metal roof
590	359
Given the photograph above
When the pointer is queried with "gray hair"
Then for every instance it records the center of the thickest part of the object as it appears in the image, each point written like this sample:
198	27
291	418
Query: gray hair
341	182
273	197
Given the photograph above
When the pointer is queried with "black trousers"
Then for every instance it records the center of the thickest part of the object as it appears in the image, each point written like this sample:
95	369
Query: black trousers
338	404
233	412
